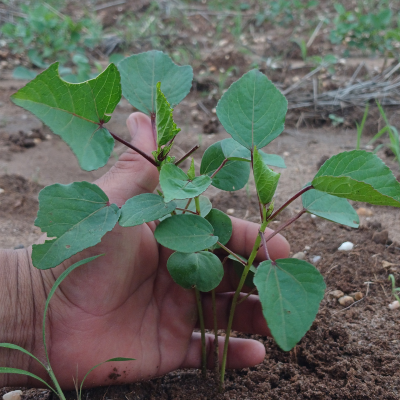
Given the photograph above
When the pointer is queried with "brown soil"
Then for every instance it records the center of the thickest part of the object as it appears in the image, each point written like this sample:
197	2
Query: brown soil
348	353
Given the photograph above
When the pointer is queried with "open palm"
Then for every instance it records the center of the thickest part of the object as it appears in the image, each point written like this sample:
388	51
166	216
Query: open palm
125	304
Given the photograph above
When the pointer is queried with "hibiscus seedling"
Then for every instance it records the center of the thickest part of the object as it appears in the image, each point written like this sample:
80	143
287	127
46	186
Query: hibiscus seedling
252	111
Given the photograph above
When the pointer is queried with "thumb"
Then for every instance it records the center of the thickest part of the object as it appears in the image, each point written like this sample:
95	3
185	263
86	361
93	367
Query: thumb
132	174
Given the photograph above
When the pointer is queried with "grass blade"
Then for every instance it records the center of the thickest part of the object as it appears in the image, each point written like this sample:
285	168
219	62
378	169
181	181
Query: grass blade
6	370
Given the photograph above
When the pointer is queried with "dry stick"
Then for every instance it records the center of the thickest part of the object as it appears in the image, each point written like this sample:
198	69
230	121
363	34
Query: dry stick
315	33
293	198
187	154
284	225
131	146
302	80
111	4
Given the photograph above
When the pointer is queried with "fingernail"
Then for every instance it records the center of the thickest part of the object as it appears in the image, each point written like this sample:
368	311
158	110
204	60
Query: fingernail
133	126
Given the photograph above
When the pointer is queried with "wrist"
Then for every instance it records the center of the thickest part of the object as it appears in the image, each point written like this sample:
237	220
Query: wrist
22	297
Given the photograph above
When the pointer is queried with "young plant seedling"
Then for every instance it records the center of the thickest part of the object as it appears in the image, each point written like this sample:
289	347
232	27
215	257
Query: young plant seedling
46	365
253	112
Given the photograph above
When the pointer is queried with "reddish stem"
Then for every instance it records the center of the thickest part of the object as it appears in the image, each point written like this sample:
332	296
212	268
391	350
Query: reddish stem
219	168
187	155
284	225
264	245
153	125
131	146
306	189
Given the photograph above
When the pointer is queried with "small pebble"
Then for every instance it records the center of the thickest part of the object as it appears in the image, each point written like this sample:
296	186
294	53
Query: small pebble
358	296
2	190
394	305
313	216
316	259
364	212
336	293
286	153
307	248
230	211
14	395
300	255
346	246
346	301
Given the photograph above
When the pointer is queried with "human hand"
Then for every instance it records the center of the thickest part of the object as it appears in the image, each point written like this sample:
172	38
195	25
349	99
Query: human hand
125	304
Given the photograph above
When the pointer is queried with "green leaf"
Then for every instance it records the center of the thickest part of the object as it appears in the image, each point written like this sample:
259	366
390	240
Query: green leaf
140	74
222	225
143	208
185	233
358	175
272	159
117	359
166	127
57	283
234	174
19	348
265	179
75	111
6	370
76	215
290	291
205	206
253	110
202	270
175	184
191	171
21	72
239	268
330	207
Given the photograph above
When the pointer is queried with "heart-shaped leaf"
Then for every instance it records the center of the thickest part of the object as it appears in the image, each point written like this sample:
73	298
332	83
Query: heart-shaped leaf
330	207
358	175
166	127
290	291
222	225
76	215
76	112
253	110
175	184
185	233
265	179
140	74
143	208
202	270
234	174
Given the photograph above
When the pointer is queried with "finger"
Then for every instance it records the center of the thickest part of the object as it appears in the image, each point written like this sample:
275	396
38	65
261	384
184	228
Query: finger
242	353
244	234
132	174
248	316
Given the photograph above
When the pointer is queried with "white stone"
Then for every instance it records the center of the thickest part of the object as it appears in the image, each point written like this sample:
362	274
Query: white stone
2	190
316	259
300	255
346	246
307	248
14	395
394	305
230	211
346	301
336	293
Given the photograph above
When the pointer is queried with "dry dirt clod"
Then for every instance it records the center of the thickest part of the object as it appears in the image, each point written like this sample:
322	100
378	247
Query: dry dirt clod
14	395
380	237
346	301
364	212
300	255
336	293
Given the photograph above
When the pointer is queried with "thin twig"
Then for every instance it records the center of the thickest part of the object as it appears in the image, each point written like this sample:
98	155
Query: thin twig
191	151
232	253
111	4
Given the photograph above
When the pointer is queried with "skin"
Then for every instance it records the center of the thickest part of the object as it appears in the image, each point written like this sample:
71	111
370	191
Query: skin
124	304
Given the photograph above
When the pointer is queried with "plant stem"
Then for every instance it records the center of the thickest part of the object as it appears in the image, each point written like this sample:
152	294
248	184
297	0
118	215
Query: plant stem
153	125
247	295
56	384
187	205
235	299
187	154
264	244
131	146
219	168
284	225
203	334
293	198
197	202
231	252
185	210
216	347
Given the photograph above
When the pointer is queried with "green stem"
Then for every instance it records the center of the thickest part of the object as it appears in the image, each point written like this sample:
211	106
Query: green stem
197	202
56	384
216	347
203	334
235	299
